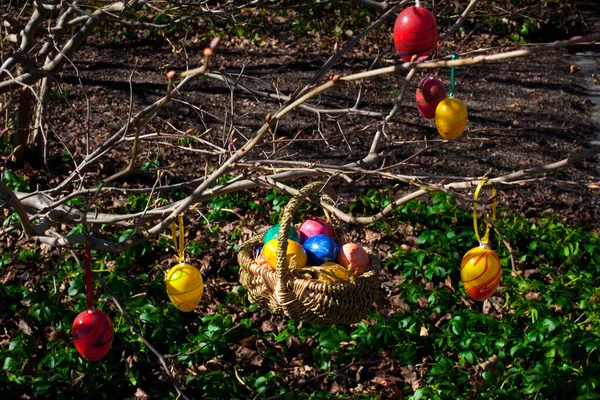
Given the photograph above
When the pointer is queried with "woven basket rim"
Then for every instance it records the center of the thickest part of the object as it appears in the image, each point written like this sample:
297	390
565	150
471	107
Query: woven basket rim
251	244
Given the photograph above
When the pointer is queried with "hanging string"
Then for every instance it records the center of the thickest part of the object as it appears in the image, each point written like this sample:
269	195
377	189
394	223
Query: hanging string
486	237
452	84
178	244
432	72
88	278
417	3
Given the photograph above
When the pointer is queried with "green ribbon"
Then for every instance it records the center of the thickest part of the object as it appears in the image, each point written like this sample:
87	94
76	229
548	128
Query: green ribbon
452	84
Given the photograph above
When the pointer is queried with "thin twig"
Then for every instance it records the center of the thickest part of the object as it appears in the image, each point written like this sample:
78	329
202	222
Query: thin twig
136	330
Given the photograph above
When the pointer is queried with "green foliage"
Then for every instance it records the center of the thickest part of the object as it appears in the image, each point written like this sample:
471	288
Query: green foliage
15	182
539	340
525	21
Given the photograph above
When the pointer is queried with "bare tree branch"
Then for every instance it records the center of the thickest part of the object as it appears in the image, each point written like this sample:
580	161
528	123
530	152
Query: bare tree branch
450	31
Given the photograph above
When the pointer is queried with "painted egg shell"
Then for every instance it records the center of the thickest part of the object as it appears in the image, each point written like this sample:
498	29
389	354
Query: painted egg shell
294	251
451	118
257	252
480	272
320	249
273	233
184	286
415	32
353	254
92	334
429	94
315	226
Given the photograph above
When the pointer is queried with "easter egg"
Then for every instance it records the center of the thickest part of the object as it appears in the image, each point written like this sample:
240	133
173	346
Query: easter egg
429	94
451	118
184	286
320	249
273	233
92	334
294	251
353	255
331	272
257	251
415	33
315	226
480	272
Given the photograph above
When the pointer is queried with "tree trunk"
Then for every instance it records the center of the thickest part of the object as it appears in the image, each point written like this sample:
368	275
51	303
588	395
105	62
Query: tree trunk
22	125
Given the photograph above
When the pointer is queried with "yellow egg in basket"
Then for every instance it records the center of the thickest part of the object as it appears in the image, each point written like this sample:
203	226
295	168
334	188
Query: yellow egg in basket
294	251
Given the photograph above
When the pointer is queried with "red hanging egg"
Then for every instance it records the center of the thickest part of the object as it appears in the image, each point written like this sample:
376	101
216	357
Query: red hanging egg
415	32
92	334
429	94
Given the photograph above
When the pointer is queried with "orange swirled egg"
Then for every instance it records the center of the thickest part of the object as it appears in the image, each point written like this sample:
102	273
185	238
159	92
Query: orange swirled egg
480	272
451	118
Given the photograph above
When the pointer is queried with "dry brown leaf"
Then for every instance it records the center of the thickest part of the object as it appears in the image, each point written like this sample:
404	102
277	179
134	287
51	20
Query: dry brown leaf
448	283
533	296
399	302
424	331
410	377
386	380
257	361
335	388
443	319
249	342
371	236
490	365
25	328
140	394
267	326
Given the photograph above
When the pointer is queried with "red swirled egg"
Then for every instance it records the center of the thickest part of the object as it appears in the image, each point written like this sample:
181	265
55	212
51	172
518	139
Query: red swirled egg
92	334
429	94
451	118
415	33
480	272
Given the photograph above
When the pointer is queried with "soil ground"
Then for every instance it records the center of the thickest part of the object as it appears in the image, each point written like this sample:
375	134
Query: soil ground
523	113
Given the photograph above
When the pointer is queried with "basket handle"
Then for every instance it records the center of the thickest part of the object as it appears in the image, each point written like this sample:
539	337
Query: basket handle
282	269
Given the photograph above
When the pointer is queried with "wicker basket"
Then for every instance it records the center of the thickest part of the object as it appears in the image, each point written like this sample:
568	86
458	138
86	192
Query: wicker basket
302	299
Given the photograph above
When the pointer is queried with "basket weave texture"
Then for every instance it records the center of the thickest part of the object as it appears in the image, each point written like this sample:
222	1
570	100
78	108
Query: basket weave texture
303	299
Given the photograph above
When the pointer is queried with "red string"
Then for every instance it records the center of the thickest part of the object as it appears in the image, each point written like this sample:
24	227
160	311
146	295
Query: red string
88	278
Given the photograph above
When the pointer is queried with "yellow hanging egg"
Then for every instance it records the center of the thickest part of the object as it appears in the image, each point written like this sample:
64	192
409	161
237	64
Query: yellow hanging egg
184	286
294	251
451	118
480	272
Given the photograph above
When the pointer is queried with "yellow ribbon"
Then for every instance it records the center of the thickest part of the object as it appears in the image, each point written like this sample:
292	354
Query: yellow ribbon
178	242
486	237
